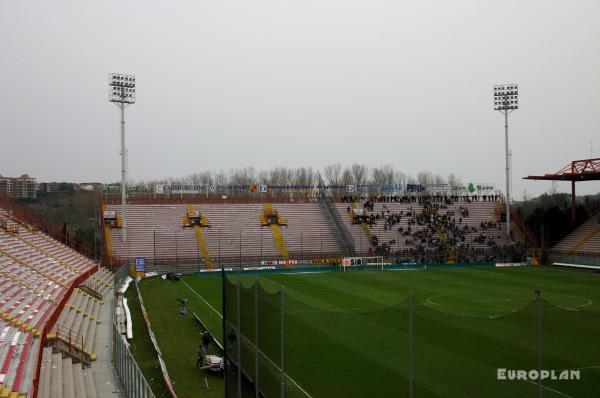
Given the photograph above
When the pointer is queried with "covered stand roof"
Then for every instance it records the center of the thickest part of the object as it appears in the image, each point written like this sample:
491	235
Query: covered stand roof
577	170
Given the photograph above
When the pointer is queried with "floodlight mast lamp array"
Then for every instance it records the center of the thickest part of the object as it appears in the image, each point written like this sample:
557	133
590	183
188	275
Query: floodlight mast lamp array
121	92
506	100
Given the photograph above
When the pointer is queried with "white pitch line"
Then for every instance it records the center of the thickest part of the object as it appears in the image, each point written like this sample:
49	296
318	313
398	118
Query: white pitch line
269	359
562	393
202	298
552	389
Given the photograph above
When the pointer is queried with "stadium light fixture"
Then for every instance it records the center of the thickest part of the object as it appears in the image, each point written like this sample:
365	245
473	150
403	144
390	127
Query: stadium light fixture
121	92
506	100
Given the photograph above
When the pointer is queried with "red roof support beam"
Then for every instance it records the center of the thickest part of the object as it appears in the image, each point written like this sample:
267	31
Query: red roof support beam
577	170
573	202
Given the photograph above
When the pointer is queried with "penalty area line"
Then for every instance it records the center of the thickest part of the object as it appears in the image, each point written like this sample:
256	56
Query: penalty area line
269	359
202	298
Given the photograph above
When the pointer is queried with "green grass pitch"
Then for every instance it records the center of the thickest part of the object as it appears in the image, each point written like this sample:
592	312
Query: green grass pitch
347	333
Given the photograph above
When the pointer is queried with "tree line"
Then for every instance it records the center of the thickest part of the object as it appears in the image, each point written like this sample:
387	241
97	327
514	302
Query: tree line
332	174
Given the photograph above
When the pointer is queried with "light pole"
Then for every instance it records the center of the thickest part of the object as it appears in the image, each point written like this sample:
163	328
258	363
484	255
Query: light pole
506	100
121	92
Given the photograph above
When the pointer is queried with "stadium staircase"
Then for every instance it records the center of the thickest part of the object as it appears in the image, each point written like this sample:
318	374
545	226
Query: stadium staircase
365	227
357	234
62	376
341	233
201	241
523	231
277	235
80	317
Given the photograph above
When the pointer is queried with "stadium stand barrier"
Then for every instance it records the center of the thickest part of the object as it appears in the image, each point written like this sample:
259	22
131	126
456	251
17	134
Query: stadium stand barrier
232	198
130	376
588	259
128	372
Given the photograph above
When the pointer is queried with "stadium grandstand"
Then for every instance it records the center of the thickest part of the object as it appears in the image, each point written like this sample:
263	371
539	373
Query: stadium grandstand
51	310
581	248
410	228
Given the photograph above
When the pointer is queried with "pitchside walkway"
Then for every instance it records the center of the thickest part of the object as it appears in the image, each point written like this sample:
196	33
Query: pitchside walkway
104	377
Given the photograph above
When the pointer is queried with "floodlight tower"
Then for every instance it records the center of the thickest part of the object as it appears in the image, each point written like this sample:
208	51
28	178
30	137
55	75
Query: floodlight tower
121	92
506	100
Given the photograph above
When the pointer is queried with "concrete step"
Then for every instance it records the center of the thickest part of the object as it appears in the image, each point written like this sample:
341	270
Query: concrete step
45	374
83	329
68	385
90	336
56	390
90	387
79	381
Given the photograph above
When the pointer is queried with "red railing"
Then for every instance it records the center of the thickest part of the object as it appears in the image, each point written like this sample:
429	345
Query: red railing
533	242
50	324
72	339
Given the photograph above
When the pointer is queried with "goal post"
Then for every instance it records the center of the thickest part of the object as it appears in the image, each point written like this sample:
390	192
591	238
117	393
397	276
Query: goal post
362	263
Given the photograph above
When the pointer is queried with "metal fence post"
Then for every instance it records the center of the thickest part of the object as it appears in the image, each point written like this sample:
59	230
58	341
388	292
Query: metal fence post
538	305
410	344
256	387
281	292
176	256
239	331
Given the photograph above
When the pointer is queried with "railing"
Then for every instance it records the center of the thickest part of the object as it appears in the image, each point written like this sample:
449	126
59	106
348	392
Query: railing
91	288
119	277
133	382
195	264
72	340
149	198
414	197
516	217
580	258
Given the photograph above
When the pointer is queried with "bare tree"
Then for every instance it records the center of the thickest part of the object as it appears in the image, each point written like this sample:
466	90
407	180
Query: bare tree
333	173
385	174
347	178
453	180
425	177
360	173
439	179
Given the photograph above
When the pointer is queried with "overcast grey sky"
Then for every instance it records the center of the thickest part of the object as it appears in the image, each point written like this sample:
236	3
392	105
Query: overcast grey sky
226	84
